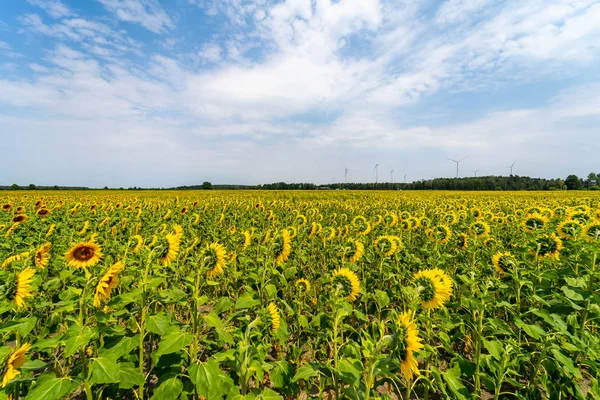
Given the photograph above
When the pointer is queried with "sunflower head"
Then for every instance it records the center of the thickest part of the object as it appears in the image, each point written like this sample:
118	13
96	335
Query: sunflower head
15	360
6	206
434	287
503	261
214	258
534	222
440	233
479	229
386	245
547	246
354	250
462	241
346	282
85	254
19	219
570	229
405	343
273	317
303	285
282	246
592	232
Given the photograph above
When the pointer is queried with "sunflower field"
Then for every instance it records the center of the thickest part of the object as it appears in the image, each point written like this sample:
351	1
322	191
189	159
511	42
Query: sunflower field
295	295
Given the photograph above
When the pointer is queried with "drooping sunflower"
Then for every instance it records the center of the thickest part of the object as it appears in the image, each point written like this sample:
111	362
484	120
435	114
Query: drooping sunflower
347	283
170	248
274	317
23	291
41	258
434	287
50	230
16	359
440	233
354	250
406	343
42	212
84	254
570	229
139	243
303	285
479	229
592	232
6	206
462	241
19	219
107	283
547	246
214	258
503	261
13	258
282	246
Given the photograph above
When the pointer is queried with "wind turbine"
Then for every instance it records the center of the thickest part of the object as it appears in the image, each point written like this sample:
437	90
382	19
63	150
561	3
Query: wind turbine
346	173
511	167
476	172
392	175
457	162
405	178
376	169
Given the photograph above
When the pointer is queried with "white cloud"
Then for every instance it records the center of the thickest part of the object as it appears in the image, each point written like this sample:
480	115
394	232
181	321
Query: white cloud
210	53
147	13
54	8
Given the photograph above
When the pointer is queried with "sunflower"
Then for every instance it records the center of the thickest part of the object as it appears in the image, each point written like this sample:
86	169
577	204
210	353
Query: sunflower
140	241
170	248
479	229
462	241
6	206
42	212
107	283
283	246
548	246
386	245
406	343
15	360
503	261
489	242
13	258
84	254
303	285
274	317
434	287
440	233
41	255
570	229
19	219
534	222
50	230
354	250
347	283
23	286
213	257
592	232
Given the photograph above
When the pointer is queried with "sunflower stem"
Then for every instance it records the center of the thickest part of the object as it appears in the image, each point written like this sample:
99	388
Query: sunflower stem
591	288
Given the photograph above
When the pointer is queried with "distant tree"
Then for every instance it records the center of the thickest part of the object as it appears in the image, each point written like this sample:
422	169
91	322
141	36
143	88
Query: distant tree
573	183
207	185
105	187
55	187
31	187
14	186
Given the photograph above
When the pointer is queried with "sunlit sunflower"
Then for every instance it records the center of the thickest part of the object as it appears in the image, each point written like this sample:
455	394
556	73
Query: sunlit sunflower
107	283
85	254
440	233
274	317
592	232
282	246
303	285
41	258
386	245
354	250
570	229
479	229
16	359
19	219
50	230
13	258
139	243
503	261
42	212
434	287
489	242
347	283
23	291
406	343
6	206
170	248
547	246
214	258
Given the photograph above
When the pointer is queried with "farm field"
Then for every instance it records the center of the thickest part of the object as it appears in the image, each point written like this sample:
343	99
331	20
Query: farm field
269	295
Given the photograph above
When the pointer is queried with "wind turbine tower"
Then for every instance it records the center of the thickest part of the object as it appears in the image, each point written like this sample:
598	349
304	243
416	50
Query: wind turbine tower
476	171
376	169
392	175
457	163
511	167
346	174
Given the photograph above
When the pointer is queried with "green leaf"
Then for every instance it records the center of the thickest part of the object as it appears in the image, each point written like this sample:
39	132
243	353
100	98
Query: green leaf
281	374
104	370
453	381
32	365
78	340
269	394
173	341
129	376
170	389
223	304
494	347
533	331
306	371
566	364
247	300
210	381
382	298
349	371
23	326
49	387
158	323
121	348
571	294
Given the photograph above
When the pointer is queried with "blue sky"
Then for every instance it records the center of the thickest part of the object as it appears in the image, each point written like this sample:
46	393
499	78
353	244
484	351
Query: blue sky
164	93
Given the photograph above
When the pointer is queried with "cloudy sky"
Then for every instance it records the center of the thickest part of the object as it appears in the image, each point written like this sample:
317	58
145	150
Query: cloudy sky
164	93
